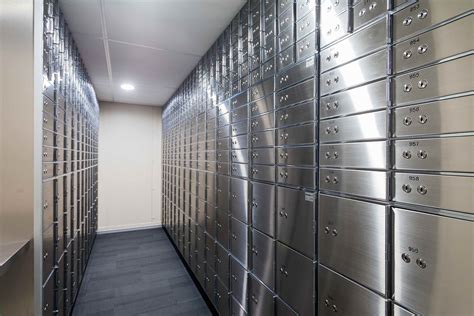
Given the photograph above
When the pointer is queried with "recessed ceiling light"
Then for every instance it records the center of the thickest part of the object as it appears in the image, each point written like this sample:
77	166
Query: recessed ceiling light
127	87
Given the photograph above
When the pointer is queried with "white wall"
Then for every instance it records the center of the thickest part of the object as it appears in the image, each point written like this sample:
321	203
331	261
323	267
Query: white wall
129	166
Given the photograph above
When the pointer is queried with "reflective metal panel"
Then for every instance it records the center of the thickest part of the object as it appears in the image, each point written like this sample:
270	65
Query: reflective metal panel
341	295
263	254
295	271
436	154
439	117
439	191
363	155
370	184
353	240
434	263
435	81
263	207
368	126
296	219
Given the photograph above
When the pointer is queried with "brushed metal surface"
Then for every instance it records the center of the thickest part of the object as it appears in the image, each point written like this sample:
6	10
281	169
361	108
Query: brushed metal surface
239	241
370	184
264	173
286	37
307	23
262	122
262	139
238	142
296	156
239	170
333	25
438	191
400	311
433	263
262	106
223	227
367	126
239	155
261	299
298	114
339	294
307	46
424	14
374	66
263	254
295	271
435	81
238	282
263	156
263	207
297	73
239	114
434	45
297	135
363	155
353	240
286	57
239	199
296	176
365	11
223	265
336	6
360	43
239	128
282	309
296	219
435	154
262	89
439	117
298	93
366	98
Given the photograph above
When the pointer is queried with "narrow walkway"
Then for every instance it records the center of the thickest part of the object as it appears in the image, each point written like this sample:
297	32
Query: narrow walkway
137	273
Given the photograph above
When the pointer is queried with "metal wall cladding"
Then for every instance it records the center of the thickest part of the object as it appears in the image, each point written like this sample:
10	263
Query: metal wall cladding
353	119
70	167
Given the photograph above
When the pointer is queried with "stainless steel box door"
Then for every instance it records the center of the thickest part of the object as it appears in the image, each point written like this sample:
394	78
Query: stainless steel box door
239	241
239	199
353	240
263	207
295	271
296	219
238	279
453	154
433	263
438	191
371	184
344	297
263	254
261	300
439	117
363	155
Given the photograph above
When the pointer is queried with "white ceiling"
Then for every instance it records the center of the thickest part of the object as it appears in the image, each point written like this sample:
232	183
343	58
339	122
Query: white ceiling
152	44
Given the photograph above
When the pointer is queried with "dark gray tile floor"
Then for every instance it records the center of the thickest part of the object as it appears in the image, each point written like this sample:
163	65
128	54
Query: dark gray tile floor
137	273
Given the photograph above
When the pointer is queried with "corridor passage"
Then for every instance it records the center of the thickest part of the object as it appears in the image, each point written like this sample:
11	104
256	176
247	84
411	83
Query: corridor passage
137	273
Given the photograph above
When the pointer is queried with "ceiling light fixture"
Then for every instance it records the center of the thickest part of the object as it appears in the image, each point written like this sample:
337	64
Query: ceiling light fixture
127	87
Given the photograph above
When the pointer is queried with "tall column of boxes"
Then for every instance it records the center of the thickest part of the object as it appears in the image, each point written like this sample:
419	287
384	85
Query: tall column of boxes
69	153
318	160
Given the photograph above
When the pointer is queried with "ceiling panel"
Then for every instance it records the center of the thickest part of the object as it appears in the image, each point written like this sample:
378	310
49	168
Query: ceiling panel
144	95
104	92
93	53
187	26
151	44
144	66
83	16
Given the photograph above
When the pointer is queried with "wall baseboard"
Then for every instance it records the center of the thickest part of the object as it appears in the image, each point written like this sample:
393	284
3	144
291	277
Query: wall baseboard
103	231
